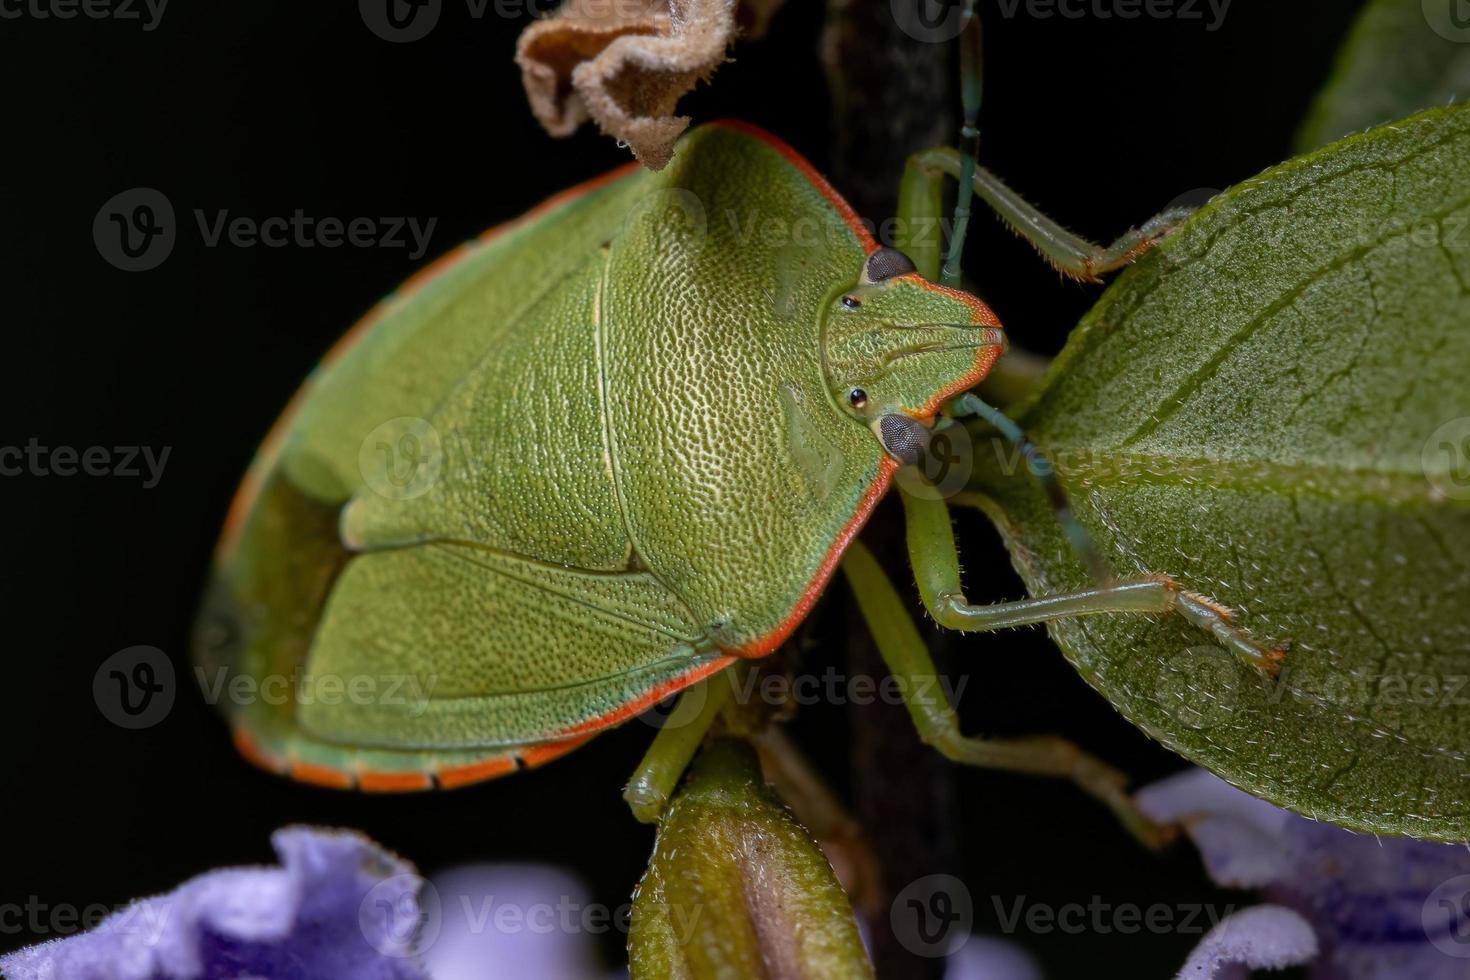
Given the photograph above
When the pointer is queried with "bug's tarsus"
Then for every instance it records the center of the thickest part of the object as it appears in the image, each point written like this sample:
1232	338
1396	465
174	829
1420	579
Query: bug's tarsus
1128	247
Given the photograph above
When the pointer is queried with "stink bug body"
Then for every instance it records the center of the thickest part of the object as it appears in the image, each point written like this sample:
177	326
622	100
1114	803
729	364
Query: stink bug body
597	456
649	467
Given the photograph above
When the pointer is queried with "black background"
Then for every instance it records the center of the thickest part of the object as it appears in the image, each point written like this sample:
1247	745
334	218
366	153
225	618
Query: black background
262	108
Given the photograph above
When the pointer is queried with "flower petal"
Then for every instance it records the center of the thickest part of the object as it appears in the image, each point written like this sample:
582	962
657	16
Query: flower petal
338	906
1239	836
1381	907
509	920
1266	937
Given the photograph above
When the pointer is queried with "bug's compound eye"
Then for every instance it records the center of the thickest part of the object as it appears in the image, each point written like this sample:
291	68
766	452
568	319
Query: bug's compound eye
851	302
887	263
857	398
903	438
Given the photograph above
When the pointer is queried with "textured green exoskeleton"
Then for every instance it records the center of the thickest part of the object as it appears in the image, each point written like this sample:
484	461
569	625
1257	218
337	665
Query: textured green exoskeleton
582	464
602	453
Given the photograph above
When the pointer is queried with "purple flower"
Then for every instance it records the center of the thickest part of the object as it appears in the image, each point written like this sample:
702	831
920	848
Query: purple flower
339	906
986	958
1381	909
525	921
1264	937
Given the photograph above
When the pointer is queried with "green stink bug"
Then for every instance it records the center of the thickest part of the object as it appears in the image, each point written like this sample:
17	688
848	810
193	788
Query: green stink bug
636	441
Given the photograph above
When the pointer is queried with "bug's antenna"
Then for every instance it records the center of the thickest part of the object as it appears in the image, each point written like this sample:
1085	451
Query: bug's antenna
971	88
1046	475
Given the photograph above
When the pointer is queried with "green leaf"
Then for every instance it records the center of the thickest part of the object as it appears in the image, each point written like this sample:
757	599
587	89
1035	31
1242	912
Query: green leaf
737	888
1273	407
1400	57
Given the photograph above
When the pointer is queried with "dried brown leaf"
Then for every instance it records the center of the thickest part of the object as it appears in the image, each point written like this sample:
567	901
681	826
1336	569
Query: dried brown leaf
624	64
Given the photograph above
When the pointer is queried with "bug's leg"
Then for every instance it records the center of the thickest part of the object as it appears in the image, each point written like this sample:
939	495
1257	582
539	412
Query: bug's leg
919	235
1070	254
937	570
657	776
936	567
787	770
920	204
903	651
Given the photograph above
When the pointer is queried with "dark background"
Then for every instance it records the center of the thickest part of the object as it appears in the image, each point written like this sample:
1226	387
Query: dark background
262	108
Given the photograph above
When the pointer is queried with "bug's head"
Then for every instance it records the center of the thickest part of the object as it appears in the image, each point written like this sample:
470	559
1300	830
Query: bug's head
895	346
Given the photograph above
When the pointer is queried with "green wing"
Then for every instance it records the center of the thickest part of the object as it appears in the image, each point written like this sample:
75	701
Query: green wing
381	631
